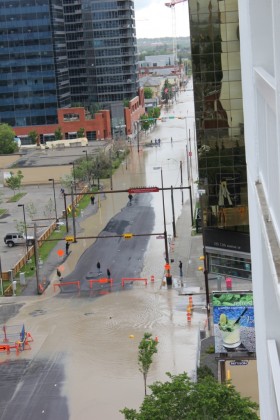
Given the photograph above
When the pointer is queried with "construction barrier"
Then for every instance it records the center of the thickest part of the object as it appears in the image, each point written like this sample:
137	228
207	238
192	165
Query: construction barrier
21	344
67	283
131	279
101	281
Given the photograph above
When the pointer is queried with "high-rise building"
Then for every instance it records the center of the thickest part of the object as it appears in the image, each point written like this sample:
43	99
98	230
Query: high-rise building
260	59
102	53
62	53
215	47
33	62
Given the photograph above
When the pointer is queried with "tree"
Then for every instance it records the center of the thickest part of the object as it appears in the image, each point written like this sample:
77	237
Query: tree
148	93
7	142
58	134
14	181
81	132
146	349
181	399
31	210
34	136
145	123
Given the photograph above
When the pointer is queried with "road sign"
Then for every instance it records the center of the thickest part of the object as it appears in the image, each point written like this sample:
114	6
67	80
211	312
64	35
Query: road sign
69	238
143	190
127	235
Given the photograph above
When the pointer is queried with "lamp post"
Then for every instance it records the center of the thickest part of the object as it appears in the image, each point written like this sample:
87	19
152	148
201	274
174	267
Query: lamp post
73	170
25	227
85	151
181	174
55	209
167	266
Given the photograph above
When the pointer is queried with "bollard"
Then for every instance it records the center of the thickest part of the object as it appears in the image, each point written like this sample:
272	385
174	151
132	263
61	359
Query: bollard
229	283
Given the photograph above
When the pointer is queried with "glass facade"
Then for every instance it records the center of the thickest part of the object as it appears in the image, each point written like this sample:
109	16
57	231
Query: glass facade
34	78
102	54
214	29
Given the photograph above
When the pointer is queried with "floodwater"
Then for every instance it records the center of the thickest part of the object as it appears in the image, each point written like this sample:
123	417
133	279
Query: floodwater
99	338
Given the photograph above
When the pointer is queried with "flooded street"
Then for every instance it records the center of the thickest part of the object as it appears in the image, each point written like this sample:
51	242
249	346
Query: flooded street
92	344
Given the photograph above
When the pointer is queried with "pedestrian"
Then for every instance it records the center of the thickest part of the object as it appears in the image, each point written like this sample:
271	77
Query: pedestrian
92	199
171	140
58	273
181	268
67	245
108	273
130	197
159	142
98	266
62	192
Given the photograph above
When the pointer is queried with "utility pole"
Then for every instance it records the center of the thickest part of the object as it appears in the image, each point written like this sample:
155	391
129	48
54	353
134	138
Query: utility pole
36	258
73	213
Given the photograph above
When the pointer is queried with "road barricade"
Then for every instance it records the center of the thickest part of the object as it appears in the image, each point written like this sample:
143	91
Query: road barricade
67	283
132	279
101	281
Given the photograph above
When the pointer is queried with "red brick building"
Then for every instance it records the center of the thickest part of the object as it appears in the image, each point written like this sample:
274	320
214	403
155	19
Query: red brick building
70	120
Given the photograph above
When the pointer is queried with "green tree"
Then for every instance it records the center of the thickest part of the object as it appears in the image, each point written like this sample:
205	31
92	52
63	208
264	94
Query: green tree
181	399
81	132
7	143
166	92
31	210
145	122
148	93
34	136
14	181
146	349
58	135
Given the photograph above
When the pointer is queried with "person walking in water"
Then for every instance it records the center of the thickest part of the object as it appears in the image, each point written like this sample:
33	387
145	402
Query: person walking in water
108	273
181	268
98	266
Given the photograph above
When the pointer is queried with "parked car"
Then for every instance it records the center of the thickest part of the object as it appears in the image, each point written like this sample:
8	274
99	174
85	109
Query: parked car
12	239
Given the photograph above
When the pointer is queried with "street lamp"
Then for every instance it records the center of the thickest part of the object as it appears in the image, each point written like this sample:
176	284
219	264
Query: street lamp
181	173
85	151
167	266
73	164
25	227
55	209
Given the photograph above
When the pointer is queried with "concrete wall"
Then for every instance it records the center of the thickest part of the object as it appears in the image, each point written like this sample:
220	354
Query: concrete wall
260	63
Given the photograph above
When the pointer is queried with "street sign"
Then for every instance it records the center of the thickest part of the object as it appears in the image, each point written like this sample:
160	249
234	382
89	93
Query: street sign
69	238
143	190
127	235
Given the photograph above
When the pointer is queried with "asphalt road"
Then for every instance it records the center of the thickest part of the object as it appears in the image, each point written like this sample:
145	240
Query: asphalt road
123	257
31	389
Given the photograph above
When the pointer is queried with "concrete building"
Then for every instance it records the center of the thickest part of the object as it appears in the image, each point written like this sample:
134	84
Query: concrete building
260	59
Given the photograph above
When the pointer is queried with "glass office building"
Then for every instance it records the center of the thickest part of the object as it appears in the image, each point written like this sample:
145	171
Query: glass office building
34	78
215	46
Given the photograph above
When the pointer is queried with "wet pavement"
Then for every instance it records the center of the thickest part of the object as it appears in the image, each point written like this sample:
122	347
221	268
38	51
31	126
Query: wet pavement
83	360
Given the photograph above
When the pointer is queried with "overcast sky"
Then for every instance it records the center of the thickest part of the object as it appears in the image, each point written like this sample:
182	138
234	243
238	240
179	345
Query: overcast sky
154	19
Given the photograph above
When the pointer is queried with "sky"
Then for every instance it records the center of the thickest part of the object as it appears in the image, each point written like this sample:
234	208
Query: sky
154	19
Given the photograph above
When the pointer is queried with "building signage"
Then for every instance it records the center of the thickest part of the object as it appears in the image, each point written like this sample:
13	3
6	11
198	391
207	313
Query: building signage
224	239
143	190
234	322
239	363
